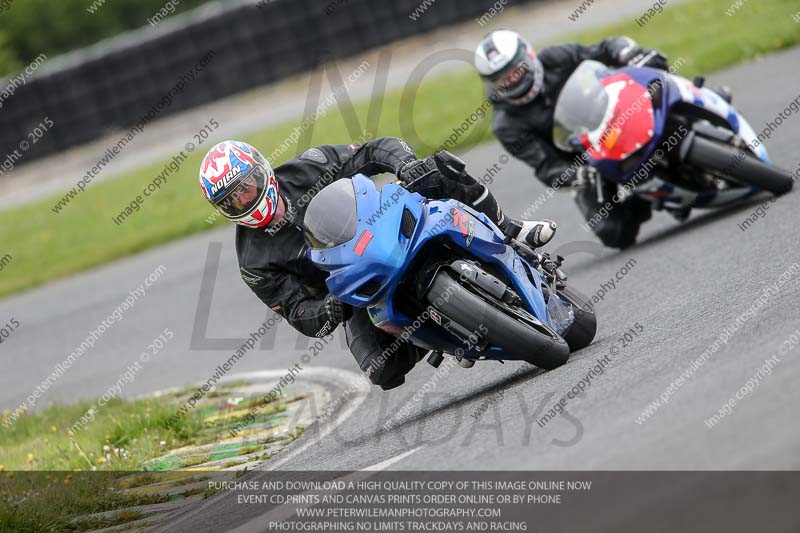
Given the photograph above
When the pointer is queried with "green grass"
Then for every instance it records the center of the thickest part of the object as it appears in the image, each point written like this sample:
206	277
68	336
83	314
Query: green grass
54	502
40	440
50	478
54	480
47	246
708	39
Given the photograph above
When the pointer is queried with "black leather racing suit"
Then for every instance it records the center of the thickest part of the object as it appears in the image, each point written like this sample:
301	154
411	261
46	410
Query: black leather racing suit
527	133
274	264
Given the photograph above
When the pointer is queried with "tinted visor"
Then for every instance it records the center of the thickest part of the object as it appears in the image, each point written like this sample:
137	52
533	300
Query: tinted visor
516	80
245	195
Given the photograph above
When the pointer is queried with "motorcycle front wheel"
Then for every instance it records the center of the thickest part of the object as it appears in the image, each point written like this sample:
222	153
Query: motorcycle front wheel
581	333
510	328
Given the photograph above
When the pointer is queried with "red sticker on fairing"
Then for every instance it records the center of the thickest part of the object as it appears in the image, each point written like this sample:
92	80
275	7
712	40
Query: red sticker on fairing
362	242
460	221
631	124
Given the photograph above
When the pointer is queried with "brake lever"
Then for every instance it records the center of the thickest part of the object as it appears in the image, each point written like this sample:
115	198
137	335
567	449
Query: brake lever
526	251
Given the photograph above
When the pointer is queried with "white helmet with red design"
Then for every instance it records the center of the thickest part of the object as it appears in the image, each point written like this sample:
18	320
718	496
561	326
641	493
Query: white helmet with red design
509	67
240	183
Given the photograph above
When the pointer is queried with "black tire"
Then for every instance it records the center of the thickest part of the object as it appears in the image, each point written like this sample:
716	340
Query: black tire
581	333
540	346
724	158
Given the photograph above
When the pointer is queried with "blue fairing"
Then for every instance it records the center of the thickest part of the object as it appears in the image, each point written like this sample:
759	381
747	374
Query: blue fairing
366	270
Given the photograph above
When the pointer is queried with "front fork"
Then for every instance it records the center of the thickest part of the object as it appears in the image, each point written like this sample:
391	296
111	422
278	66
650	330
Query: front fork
549	267
560	314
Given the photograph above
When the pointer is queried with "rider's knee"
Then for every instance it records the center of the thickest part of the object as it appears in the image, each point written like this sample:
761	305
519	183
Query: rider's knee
389	384
383	375
388	366
615	234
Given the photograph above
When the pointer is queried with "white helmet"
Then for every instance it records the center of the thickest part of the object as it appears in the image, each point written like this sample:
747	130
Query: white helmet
509	67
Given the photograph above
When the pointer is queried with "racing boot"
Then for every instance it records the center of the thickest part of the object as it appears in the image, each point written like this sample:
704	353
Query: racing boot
534	233
680	214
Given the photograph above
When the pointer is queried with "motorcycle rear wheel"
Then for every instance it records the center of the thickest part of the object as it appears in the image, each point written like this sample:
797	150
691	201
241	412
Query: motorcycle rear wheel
719	157
514	330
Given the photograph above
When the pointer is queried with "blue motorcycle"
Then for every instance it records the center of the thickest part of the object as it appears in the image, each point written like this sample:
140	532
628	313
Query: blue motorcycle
444	277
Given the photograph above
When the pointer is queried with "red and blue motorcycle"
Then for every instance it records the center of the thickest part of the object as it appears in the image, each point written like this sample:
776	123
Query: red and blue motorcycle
664	138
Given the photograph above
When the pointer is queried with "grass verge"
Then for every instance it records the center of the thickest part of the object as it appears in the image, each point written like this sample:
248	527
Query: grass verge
122	436
133	453
50	246
52	480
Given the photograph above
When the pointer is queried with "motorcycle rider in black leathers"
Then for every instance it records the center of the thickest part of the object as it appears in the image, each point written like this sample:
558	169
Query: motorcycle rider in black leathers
523	118
269	206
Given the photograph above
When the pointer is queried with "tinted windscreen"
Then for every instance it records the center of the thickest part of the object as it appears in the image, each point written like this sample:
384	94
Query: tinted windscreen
581	105
331	217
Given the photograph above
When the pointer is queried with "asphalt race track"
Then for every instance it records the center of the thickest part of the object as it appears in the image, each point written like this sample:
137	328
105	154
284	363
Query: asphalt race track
683	284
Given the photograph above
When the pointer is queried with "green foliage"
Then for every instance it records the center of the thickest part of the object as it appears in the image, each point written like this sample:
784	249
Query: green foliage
37	502
83	234
52	27
708	39
8	62
130	431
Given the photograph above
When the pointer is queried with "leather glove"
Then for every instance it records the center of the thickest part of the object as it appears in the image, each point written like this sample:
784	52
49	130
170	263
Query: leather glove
337	310
450	165
412	172
585	176
658	60
447	164
588	181
636	56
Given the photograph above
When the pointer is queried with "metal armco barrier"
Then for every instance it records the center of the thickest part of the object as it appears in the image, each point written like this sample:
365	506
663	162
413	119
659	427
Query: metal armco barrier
113	85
